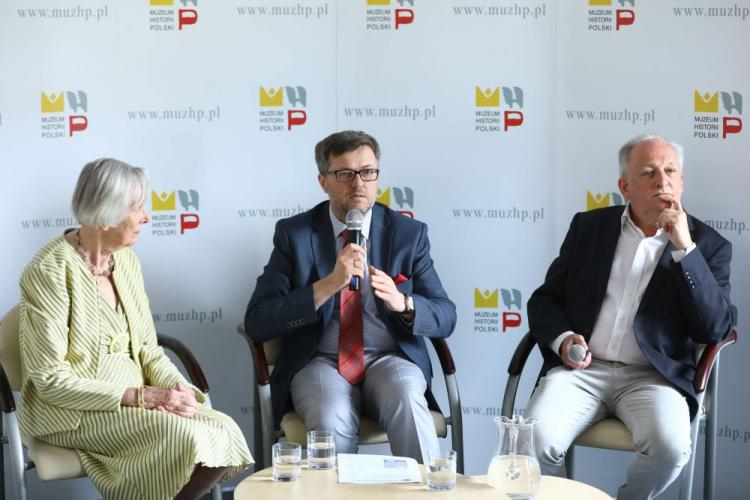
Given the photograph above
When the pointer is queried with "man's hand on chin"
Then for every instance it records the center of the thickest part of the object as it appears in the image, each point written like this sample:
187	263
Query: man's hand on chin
673	220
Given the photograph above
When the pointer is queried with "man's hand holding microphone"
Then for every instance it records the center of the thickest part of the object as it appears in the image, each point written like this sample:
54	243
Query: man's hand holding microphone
575	352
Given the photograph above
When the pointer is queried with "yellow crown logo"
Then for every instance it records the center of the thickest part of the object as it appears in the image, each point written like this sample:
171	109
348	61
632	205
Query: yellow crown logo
600	2
598	200
384	197
161	2
271	98
378	2
706	103
485	299
488	97
161	202
52	104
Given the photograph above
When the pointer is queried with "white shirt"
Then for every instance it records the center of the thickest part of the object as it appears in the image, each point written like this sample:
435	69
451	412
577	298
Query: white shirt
635	259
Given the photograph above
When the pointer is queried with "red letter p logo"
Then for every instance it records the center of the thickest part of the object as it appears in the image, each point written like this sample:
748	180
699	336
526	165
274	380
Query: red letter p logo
624	17
513	119
77	123
731	125
188	221
404	16
511	320
295	117
187	16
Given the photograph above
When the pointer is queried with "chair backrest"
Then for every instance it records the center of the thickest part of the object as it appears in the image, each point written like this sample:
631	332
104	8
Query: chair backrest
10	357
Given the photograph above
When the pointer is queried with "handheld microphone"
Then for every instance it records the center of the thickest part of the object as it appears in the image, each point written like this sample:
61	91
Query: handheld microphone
576	353
354	219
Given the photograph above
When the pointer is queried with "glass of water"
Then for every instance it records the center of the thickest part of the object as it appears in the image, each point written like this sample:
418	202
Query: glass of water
321	450
287	460
441	473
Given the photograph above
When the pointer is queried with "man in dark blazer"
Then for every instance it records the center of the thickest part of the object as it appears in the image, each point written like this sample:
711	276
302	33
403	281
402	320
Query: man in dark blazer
303	297
636	287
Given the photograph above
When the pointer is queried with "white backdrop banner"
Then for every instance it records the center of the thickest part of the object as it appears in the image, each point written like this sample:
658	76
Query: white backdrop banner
498	120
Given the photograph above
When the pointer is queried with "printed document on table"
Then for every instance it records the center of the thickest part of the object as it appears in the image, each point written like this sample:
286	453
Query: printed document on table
364	469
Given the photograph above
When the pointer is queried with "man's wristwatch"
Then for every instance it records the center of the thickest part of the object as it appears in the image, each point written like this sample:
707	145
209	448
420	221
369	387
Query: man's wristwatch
408	304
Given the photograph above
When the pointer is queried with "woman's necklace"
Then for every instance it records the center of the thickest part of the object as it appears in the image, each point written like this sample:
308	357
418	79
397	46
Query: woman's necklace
86	260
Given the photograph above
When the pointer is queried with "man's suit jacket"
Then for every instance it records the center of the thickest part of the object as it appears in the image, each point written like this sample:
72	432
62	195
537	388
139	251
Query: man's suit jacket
304	251
684	303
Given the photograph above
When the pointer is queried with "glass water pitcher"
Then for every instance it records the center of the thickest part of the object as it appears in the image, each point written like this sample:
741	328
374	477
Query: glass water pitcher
514	468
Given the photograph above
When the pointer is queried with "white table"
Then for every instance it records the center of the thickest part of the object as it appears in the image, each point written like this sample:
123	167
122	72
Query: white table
323	484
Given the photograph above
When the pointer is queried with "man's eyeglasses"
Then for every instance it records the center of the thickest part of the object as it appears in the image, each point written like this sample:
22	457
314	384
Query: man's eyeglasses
346	175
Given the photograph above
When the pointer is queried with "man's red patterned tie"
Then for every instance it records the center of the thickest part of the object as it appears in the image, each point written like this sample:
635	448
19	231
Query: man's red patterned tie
351	342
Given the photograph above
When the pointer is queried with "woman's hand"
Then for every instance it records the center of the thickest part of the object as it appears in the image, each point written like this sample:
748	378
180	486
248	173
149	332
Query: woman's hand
179	400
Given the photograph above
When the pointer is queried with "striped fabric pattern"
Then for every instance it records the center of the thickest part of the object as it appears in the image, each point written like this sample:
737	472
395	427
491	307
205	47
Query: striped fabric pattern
136	454
71	397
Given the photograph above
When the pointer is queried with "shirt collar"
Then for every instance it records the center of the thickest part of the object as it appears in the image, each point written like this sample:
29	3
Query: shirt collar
339	226
627	219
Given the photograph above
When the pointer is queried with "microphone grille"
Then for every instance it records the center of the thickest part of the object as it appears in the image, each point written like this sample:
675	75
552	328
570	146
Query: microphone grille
576	353
354	219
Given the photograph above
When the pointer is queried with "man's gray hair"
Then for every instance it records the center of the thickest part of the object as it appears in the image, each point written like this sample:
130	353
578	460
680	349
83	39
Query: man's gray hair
106	190
624	155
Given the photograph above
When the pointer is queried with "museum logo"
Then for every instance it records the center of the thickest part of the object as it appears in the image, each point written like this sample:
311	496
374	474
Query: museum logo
604	17
498	109
400	199
715	120
168	219
165	16
64	113
384	15
280	108
493	316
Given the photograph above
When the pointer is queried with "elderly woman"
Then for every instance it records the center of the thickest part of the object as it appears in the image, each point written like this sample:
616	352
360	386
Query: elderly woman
94	379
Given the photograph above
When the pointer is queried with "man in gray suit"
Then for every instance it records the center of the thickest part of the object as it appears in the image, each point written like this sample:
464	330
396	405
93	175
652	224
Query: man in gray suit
344	353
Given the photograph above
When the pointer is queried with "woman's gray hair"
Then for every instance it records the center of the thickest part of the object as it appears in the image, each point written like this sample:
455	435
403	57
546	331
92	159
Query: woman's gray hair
624	155
106	190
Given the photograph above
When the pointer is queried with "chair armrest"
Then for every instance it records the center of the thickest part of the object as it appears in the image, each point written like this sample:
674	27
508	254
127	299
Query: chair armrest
259	360
706	363
259	357
197	378
521	354
7	400
444	355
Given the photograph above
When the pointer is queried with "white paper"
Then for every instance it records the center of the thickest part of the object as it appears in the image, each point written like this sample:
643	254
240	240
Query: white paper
368	469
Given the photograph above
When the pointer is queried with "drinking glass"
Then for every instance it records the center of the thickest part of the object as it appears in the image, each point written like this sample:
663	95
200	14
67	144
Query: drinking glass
321	450
287	460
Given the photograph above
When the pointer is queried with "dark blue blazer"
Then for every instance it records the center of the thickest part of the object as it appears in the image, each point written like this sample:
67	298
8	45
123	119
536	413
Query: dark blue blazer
304	251
684	303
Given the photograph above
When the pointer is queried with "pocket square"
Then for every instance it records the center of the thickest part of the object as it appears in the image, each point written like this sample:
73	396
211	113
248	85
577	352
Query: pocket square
400	278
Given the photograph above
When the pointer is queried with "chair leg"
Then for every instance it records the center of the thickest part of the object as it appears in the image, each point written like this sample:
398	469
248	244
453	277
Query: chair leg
509	398
456	420
258	442
686	477
18	465
266	422
457	439
2	460
216	492
570	457
712	422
